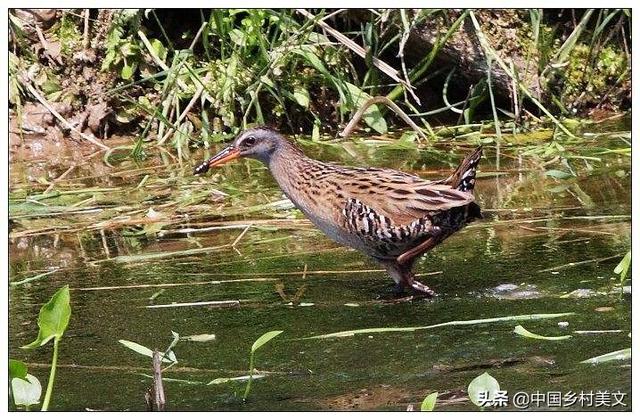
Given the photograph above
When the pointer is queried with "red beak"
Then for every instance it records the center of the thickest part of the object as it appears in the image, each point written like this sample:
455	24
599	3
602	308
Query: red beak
225	155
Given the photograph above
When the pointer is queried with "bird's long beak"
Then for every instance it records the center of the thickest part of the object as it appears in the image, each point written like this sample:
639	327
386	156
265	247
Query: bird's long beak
225	155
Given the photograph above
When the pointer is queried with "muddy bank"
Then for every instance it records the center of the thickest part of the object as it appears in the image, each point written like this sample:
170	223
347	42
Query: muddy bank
109	72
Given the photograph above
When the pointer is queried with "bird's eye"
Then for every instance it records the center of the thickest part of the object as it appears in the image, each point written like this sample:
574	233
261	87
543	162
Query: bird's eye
249	141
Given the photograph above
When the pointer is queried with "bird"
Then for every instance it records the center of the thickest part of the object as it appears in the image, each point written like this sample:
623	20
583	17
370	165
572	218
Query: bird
391	216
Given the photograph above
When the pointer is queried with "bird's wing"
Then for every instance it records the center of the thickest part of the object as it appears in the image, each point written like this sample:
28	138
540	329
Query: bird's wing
401	197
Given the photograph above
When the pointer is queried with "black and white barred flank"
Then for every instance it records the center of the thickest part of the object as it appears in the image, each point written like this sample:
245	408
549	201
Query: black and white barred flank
365	222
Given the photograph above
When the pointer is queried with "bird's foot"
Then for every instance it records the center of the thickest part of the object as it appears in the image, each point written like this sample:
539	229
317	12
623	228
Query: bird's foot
394	295
422	288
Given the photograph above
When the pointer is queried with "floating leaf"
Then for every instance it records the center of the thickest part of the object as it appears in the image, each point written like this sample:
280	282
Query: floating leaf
27	391
520	330
264	339
219	381
53	319
201	338
623	354
429	402
17	369
483	384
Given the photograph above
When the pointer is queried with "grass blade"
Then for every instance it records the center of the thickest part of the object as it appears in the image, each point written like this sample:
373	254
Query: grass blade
520	330
530	317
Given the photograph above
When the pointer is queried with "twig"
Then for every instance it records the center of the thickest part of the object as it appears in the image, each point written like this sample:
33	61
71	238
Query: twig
195	39
85	35
573	264
53	183
155	397
405	37
33	278
218	303
164	285
380	100
45	45
445	96
66	123
104	243
240	236
496	122
157	59
184	113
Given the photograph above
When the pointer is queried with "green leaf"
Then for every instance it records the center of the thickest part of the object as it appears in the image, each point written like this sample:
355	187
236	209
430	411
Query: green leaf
301	96
27	391
624	354
554	173
315	133
127	72
429	402
170	357
372	116
158	49
306	51
268	82
484	383
238	37
53	319
623	266
520	330
408	137
17	369
264	339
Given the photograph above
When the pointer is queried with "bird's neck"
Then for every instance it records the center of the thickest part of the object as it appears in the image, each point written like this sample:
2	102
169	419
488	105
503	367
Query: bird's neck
295	174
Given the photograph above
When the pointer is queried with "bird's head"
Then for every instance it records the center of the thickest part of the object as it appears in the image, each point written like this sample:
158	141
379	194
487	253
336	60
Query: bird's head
256	143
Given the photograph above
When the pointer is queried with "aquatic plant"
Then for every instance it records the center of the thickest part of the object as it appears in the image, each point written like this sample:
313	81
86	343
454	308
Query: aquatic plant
52	323
261	341
429	402
483	387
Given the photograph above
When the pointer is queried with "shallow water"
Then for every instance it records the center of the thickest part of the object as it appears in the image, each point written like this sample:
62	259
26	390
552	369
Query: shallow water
282	274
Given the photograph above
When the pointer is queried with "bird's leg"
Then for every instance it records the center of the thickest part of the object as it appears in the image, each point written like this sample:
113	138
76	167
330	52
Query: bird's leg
406	260
396	274
418	250
402	275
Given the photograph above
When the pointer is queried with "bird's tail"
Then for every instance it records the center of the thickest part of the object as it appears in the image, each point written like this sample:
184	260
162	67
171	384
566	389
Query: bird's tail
464	177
